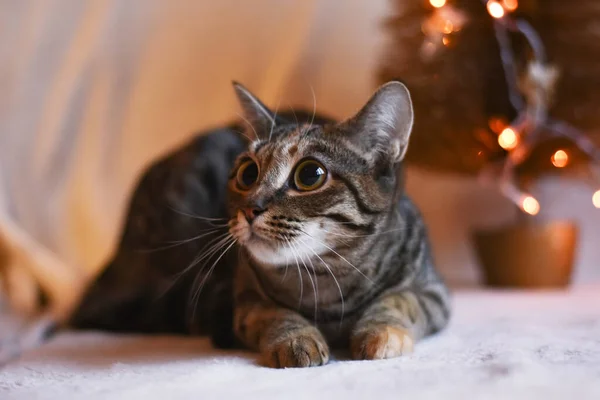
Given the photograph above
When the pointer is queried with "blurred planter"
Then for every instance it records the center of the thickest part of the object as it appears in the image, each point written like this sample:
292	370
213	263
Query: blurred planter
528	255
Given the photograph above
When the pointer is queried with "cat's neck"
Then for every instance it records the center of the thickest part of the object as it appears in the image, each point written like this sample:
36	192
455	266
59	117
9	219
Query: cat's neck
332	284
344	279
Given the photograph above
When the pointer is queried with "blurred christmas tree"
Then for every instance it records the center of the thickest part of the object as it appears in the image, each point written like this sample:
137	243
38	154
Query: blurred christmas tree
505	89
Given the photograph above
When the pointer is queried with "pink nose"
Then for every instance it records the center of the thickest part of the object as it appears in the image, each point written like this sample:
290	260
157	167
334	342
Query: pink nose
252	212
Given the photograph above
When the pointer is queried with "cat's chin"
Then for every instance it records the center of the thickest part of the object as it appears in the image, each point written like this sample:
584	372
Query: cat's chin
267	253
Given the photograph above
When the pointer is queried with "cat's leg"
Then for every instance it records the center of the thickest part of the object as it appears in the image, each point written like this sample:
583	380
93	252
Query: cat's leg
392	324
284	338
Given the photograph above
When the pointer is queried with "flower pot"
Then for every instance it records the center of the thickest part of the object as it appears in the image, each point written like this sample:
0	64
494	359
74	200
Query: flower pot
528	255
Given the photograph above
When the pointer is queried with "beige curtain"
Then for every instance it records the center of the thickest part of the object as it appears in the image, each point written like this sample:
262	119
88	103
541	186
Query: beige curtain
92	91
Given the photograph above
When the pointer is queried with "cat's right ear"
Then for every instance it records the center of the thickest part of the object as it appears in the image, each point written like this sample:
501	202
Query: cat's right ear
384	124
257	116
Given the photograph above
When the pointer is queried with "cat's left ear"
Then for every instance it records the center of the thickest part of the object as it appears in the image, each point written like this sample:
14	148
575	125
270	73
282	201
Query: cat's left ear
385	123
257	115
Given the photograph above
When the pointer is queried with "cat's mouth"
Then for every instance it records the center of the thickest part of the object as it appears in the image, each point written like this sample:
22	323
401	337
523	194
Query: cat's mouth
271	243
240	229
261	241
245	233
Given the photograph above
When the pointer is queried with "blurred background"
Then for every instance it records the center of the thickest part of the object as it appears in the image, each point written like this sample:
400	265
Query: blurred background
94	91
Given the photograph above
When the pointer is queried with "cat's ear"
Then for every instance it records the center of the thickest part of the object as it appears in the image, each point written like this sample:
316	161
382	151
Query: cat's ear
384	124
256	114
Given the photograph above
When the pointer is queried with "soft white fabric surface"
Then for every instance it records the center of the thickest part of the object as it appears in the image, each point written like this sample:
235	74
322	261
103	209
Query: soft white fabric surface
499	346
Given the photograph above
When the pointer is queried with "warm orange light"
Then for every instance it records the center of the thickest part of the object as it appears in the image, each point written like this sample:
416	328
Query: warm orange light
530	205
508	139
437	3
448	27
510	5
596	199
560	159
445	41
495	9
497	124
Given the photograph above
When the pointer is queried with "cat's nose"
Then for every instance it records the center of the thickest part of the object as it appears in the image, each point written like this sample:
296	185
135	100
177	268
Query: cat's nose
252	212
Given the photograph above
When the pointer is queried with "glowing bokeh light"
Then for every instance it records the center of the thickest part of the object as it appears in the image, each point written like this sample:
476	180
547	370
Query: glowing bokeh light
560	159
495	9
448	27
510	5
530	205
596	199
437	3
497	124
508	139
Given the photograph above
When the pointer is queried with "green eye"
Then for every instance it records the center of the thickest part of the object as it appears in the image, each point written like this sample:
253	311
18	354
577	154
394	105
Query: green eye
247	174
309	175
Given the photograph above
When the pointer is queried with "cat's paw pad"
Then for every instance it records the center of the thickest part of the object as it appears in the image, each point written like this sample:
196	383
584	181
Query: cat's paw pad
381	342
304	350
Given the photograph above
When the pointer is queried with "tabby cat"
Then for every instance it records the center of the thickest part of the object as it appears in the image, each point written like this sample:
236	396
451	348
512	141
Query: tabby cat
309	241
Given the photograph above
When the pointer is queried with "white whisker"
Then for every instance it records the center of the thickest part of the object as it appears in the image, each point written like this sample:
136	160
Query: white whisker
299	272
316	279
361	236
211	246
194	216
294	113
273	122
312	120
181	242
336	283
309	277
286	264
214	246
339	255
250	125
314	274
244	134
206	232
207	276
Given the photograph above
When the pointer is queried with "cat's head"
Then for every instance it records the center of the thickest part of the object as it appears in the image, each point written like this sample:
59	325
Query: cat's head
302	189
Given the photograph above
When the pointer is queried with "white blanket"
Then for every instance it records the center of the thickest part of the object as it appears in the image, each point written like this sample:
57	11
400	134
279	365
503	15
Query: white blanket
519	345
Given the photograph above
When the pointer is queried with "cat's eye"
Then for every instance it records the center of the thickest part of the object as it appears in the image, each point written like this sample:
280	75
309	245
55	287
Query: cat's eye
309	175
247	174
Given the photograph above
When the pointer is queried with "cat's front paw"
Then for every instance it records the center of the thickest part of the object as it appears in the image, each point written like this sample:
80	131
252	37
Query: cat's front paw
301	350
380	342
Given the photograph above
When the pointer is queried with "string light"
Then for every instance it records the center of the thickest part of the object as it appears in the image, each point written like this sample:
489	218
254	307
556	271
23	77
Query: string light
530	205
495	9
508	139
516	139
443	21
510	5
437	3
560	159
596	199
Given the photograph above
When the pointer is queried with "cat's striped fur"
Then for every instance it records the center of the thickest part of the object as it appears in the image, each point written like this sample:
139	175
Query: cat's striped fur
345	264
361	269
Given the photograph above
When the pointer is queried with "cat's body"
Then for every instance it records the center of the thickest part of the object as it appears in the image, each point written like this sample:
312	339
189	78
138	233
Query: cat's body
147	286
324	246
141	289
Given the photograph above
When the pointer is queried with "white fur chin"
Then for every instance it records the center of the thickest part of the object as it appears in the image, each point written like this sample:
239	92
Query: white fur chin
301	249
266	255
